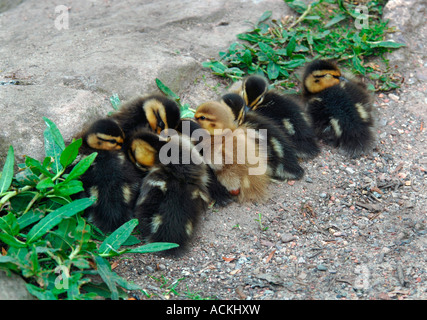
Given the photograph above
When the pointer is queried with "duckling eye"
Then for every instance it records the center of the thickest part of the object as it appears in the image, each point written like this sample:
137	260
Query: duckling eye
202	118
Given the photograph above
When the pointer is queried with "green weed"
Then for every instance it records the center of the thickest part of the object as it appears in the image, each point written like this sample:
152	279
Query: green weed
329	29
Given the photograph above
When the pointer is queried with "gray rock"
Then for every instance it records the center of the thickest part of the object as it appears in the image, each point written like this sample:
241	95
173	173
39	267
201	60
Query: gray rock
12	287
68	68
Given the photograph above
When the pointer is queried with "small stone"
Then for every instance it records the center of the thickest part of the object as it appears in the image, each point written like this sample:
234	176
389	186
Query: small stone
321	267
393	97
350	170
287	237
322	195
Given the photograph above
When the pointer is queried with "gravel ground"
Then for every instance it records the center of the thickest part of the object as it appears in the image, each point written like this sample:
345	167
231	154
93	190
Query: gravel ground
350	229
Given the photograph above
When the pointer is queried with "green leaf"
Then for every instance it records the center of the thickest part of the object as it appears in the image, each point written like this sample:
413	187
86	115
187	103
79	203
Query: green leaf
291	46
11	241
118	237
30	217
265	16
297	5
45	184
56	134
55	217
338	18
7	173
358	65
33	163
70	153
153	247
215	66
52	150
81	167
386	44
69	188
104	270
273	70
27	177
40	293
9	224
247	57
166	90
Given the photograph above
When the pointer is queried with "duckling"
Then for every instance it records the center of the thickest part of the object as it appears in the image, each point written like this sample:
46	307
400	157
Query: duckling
285	110
243	173
151	111
341	109
111	179
217	191
174	192
281	156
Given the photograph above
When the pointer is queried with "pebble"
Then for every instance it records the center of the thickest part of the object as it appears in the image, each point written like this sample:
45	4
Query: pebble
321	267
287	237
350	170
323	195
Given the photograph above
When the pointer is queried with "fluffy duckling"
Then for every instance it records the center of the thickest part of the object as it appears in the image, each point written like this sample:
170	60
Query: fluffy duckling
285	111
191	128
151	111
281	157
238	156
111	178
174	192
341	109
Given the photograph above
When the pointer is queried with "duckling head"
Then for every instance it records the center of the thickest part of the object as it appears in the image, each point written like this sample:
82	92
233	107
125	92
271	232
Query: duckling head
144	148
253	90
104	134
214	115
237	105
161	113
320	75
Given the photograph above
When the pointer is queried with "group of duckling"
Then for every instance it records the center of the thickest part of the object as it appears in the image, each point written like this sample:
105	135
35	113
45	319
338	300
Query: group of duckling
130	177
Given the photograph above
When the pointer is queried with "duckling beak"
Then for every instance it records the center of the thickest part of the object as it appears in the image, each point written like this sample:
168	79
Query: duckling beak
341	78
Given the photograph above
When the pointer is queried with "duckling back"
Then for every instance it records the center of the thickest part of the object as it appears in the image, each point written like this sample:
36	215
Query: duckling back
112	179
174	193
237	154
285	111
341	111
282	160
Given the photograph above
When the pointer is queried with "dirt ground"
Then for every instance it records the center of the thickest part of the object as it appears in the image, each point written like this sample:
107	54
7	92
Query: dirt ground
350	229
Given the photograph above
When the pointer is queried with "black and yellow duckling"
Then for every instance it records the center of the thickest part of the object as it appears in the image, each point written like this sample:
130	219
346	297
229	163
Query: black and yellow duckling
174	192
151	111
285	111
340	109
281	156
190	127
237	155
112	179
